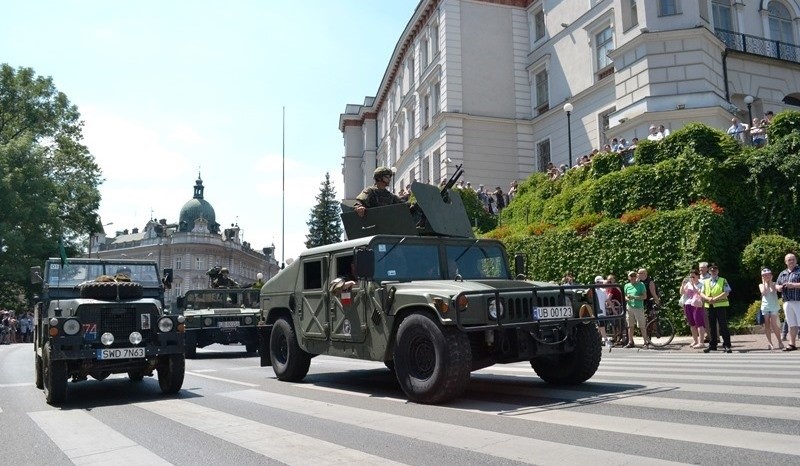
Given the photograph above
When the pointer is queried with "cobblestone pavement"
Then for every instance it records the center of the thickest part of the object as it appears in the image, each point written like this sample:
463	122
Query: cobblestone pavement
739	343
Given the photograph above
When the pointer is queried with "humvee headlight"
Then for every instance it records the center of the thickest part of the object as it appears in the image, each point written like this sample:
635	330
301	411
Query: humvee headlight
495	308
165	324
53	322
135	338
248	320
72	326
181	319
462	302
107	339
207	321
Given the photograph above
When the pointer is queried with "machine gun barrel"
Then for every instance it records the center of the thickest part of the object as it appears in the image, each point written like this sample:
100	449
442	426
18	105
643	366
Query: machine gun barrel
452	181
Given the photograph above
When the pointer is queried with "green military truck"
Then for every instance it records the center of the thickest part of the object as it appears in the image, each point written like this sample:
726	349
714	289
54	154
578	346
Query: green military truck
220	315
99	317
432	307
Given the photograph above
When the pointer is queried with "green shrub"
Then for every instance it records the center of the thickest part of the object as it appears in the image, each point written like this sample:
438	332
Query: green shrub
784	124
700	139
585	223
634	216
767	251
479	218
604	163
647	152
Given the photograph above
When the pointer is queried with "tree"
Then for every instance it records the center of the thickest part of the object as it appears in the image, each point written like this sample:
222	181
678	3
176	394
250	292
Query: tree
324	225
48	179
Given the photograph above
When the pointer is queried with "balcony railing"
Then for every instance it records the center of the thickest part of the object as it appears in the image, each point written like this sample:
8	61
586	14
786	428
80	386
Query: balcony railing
759	45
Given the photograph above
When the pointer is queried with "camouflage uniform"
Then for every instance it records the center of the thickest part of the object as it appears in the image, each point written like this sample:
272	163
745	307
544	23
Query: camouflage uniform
374	196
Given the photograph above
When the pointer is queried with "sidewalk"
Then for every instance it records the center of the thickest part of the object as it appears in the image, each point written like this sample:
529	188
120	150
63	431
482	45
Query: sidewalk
754	343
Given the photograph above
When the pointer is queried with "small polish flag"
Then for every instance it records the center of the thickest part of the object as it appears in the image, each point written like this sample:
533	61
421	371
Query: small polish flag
346	297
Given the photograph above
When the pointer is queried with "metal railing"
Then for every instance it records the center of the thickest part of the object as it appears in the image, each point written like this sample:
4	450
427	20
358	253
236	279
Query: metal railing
759	45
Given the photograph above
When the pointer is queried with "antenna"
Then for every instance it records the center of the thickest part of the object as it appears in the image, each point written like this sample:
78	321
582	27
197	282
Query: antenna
283	189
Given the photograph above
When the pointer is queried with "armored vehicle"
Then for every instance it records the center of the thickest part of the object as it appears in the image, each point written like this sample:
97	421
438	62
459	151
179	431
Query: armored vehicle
220	315
98	317
432	307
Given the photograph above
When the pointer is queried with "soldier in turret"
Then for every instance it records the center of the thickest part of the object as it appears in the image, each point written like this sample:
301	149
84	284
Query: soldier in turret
377	195
224	281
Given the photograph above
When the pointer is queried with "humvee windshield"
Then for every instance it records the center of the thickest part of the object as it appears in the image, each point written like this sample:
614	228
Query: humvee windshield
401	261
75	272
220	299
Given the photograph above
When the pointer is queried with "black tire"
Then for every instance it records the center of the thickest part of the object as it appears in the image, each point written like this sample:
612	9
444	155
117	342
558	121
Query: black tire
136	376
251	347
575	367
54	377
432	363
110	291
660	333
389	365
190	346
39	378
289	361
170	373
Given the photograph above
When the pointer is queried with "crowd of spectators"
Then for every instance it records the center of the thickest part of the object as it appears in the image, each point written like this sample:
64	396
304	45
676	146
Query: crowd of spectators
754	133
15	328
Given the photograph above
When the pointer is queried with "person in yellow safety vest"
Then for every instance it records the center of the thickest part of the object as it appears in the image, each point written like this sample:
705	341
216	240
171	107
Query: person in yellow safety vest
715	296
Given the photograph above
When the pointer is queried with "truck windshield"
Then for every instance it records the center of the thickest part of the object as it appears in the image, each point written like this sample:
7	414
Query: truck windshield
75	272
221	299
404	261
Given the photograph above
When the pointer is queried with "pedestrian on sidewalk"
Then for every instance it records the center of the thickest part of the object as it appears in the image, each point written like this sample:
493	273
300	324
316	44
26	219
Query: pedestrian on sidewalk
715	294
789	285
693	308
770	308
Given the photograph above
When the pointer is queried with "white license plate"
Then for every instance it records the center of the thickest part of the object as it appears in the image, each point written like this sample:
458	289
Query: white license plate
120	353
558	312
229	324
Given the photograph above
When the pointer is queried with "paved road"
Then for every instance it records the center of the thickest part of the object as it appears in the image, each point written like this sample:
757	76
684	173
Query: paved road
642	407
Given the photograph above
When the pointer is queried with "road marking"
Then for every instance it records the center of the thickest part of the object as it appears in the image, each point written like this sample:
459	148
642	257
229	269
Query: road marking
278	444
220	379
496	444
85	440
13	385
203	370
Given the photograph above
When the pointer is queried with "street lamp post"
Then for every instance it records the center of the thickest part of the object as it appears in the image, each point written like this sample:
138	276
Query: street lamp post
568	108
748	99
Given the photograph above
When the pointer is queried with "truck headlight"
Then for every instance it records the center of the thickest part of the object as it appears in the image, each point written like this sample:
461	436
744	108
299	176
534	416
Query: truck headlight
248	320
72	326
107	339
165	324
495	308
207	321
135	338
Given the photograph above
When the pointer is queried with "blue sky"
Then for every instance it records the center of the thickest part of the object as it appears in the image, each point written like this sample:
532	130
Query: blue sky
167	88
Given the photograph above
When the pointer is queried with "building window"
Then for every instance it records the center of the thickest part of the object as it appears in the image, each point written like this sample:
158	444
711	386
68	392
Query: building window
434	40
426	111
425	173
721	13
401	131
542	92
630	15
198	263
423	52
178	263
604	123
703	9
603	43
437	167
412	175
780	23
412	68
543	155
436	98
669	7
538	25
412	129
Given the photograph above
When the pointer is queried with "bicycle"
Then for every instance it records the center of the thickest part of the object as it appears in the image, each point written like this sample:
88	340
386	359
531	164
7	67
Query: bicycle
660	330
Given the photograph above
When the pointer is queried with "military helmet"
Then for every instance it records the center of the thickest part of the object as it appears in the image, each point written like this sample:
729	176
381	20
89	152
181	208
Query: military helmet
381	172
224	270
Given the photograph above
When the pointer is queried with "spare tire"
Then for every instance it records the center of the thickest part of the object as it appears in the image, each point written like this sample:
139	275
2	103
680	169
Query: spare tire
110	291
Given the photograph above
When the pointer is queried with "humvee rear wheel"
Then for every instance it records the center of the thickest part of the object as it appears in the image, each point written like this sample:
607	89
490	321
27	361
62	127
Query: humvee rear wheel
432	363
38	365
54	377
575	367
170	373
289	361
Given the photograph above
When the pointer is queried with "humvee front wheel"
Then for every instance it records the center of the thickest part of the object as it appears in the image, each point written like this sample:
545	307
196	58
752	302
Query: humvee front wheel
170	373
54	375
39	377
289	361
575	367
432	363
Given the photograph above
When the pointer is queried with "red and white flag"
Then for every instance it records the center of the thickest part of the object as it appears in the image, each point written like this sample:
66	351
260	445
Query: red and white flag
346	298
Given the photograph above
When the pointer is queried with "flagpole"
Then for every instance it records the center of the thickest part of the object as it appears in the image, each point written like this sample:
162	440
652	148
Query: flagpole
283	189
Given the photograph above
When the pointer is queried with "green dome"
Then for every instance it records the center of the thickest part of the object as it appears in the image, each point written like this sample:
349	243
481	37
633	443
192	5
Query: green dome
195	208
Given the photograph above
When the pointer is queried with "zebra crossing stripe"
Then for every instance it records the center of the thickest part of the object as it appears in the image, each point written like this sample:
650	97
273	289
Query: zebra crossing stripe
491	443
85	440
278	444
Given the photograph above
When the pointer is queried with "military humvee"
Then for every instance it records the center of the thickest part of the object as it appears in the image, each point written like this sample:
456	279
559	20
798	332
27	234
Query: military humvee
88	324
432	308
220	315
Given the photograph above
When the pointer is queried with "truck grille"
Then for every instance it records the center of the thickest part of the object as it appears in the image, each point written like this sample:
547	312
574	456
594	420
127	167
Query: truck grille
119	321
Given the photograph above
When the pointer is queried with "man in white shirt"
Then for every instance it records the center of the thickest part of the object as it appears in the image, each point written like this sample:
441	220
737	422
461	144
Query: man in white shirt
737	130
654	134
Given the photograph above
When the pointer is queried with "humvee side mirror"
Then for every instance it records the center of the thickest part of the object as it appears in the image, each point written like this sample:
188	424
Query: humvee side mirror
36	275
520	261
365	263
167	279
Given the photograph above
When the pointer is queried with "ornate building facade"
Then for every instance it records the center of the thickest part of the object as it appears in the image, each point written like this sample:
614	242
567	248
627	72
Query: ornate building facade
190	246
501	85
